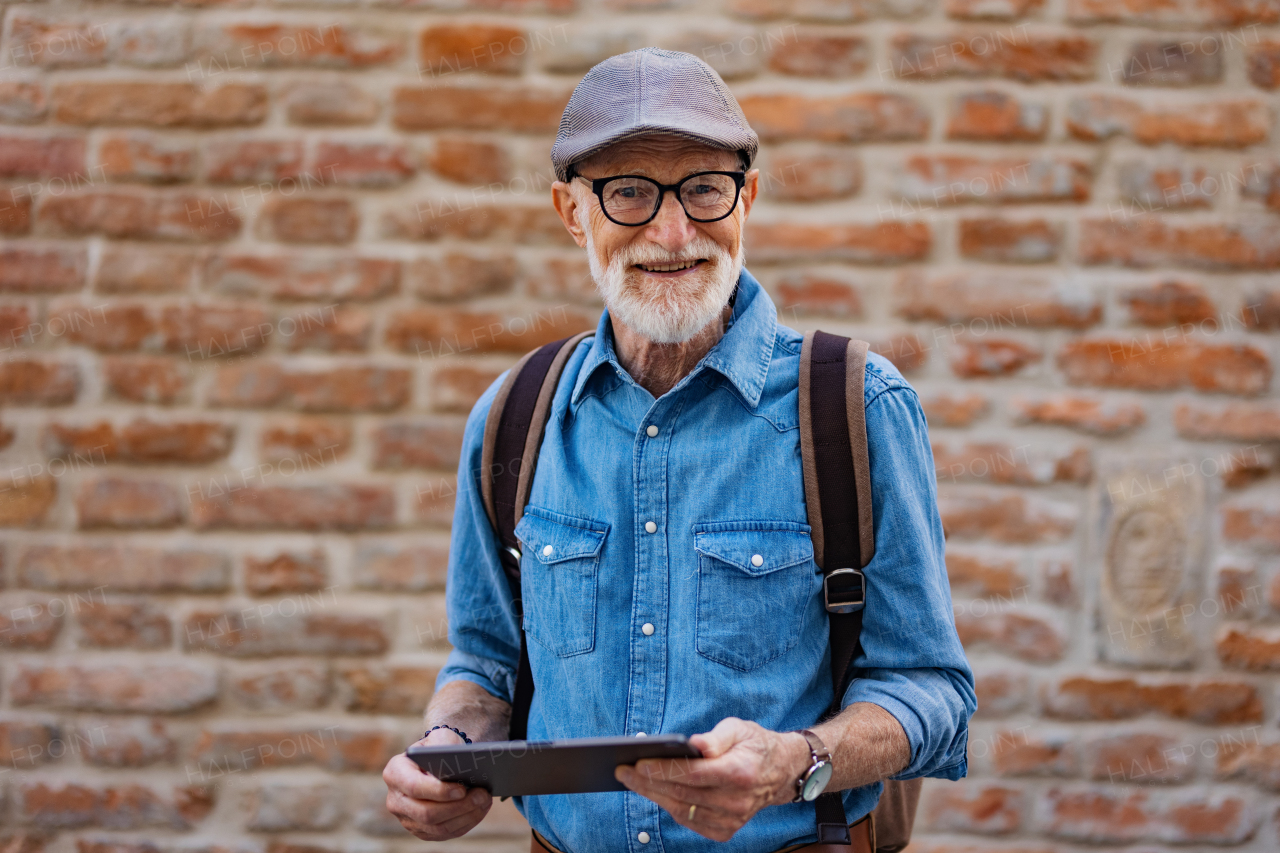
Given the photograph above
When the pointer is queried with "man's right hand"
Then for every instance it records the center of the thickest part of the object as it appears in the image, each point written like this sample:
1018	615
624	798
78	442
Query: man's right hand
429	808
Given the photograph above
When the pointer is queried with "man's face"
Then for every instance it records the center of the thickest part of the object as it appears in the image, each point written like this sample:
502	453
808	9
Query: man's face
669	278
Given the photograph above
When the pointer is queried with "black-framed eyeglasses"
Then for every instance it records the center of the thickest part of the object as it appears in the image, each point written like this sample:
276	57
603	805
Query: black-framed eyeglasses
635	199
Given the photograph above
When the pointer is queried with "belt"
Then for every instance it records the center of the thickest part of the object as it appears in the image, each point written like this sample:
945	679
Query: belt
862	833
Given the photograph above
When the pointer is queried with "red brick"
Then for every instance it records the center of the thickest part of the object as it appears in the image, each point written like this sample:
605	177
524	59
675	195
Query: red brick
457	216
28	268
1243	756
269	630
309	220
143	440
159	104
26	745
1000	691
22	102
1233	422
824	294
954	410
276	807
15	211
348	389
971	806
401	569
147	158
1012	54
279	687
442	331
1015	753
125	807
332	506
1169	303
1154	364
870	243
1152	242
26	500
1000	462
1208	701
460	275
1010	241
51	43
30	621
373	164
126	743
133	269
942	180
1139	758
1005	516
1159	62
457	387
44	157
1098	814
89	566
341	328
983	574
1094	415
330	103
471	46
994	116
1204	14
857	117
40	383
251	161
820	53
516	108
1263	64
278	45
432	443
1261	311
125	503
387	689
110	327
804	173
906	352
1237	589
331	748
287	571
124	625
312	441
1022	635
1001	10
1222	123
153	688
146	379
981	304
1248	647
1152	187
303	276
559	278
469	159
974	356
135	215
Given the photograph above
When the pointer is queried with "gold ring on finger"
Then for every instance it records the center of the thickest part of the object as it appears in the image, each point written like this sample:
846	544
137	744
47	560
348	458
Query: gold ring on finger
692	808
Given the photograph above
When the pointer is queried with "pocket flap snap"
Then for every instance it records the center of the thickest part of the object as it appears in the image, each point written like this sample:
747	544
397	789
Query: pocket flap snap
753	547
552	537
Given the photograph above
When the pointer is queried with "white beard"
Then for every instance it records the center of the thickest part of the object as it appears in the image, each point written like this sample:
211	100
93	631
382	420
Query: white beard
665	311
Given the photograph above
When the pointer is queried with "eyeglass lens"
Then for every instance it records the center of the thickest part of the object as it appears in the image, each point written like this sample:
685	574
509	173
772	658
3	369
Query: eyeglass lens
633	200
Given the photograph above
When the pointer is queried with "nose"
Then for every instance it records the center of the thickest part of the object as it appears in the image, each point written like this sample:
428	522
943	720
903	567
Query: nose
671	228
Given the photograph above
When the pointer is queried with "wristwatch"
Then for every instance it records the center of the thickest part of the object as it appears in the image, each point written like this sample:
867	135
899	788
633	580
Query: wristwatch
815	779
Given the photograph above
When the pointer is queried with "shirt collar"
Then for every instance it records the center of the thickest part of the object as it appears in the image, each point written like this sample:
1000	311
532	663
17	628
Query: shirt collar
742	355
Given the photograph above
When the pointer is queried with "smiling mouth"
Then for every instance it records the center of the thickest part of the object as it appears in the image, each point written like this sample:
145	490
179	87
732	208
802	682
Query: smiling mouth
676	267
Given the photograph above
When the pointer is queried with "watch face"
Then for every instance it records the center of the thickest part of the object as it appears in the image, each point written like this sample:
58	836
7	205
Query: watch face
817	781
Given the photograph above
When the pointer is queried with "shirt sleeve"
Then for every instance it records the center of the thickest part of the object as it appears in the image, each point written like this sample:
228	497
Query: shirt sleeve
911	662
483	628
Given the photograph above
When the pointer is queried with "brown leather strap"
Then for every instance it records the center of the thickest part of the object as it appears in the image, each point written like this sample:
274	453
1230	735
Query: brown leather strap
862	834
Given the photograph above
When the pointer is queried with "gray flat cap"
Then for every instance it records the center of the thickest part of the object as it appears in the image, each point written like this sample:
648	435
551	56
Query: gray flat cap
650	91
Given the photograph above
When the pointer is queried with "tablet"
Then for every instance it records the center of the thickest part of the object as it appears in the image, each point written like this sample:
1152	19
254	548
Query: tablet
519	768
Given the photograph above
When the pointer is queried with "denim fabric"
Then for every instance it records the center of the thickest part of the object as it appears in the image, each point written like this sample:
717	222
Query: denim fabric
726	579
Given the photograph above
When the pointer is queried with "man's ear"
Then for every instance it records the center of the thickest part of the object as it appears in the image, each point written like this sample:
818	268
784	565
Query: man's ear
567	206
749	189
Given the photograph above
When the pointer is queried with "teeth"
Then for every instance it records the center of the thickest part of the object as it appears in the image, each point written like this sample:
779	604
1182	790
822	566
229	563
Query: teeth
666	267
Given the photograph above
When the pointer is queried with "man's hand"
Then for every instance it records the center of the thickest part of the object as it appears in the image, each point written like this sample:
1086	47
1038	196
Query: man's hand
429	808
744	767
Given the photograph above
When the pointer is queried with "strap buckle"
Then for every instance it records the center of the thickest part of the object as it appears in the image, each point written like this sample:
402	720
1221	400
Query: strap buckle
844	591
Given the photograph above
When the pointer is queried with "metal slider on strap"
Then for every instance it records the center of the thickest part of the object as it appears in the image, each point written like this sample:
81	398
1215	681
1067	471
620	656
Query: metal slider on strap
844	591
515	552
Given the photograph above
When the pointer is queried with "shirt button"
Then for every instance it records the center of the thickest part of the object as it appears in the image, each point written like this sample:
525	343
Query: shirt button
643	837
650	527
651	431
547	551
757	560
647	628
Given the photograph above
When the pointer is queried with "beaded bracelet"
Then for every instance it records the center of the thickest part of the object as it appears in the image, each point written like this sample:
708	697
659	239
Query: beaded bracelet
459	732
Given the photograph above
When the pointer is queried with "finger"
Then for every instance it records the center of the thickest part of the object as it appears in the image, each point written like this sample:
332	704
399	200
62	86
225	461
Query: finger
694	772
721	738
425	812
715	798
402	774
707	821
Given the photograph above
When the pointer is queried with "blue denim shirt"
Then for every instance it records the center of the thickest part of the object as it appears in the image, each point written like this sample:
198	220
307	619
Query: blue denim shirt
721	482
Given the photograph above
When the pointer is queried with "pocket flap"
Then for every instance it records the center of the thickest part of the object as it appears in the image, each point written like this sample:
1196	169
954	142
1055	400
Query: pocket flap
742	544
550	537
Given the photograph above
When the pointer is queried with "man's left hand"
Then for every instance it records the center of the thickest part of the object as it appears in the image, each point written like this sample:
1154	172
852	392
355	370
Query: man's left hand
744	767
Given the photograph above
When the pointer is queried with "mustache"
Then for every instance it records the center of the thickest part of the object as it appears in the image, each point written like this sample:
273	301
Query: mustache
701	248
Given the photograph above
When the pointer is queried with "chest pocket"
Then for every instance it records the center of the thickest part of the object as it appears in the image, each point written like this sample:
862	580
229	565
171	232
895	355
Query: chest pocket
755	581
559	573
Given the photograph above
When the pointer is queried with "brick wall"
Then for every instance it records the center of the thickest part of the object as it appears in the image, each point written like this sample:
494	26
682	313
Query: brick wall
258	262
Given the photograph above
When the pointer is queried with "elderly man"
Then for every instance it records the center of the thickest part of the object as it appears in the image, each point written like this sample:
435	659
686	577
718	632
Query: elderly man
680	413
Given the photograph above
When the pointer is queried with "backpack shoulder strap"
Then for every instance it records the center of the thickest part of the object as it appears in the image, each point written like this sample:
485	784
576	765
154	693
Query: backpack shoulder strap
837	486
513	434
